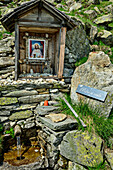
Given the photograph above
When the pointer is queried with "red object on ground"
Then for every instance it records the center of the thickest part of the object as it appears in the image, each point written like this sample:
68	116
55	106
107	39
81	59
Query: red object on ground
46	103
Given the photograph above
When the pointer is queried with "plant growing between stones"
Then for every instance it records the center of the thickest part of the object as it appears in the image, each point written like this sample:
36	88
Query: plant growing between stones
81	61
11	132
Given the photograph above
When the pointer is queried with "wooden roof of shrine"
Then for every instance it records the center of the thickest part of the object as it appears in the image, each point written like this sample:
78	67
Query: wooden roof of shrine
9	19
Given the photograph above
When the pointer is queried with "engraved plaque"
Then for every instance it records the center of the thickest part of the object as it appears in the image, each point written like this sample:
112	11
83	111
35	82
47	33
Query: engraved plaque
91	92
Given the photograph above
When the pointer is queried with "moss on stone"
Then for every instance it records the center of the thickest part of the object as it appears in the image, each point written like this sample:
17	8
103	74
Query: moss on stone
57	86
82	148
8	88
89	154
8	100
21	115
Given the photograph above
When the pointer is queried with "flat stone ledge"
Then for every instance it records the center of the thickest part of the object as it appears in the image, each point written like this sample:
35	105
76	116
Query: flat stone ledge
44	110
21	115
67	124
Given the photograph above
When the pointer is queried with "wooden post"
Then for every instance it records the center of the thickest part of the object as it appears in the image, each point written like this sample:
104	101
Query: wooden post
16	51
83	124
62	52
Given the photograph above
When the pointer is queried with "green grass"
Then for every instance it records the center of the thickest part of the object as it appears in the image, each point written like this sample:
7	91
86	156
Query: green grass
1	127
81	61
93	118
99	167
110	25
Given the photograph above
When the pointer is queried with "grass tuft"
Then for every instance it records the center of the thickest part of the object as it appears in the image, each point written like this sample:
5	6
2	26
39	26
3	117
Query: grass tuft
93	118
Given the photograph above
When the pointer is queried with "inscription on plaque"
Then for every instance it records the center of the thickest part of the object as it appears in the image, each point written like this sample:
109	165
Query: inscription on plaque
91	92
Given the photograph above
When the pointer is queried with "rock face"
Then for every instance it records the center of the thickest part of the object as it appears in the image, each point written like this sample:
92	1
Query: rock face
77	46
77	42
109	157
97	72
82	148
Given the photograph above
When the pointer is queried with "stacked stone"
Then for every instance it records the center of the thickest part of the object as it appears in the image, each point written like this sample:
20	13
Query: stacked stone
19	99
7	58
54	125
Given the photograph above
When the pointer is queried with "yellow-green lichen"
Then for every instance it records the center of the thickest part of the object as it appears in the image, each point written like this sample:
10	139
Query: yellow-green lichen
8	100
21	115
88	153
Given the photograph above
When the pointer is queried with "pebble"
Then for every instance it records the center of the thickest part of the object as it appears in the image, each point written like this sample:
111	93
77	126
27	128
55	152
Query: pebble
36	150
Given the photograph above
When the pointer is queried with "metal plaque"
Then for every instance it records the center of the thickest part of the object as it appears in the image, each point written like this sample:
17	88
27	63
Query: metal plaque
91	92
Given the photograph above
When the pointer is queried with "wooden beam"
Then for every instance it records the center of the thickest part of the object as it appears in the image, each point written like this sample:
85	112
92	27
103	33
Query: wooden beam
39	24
62	52
16	51
38	29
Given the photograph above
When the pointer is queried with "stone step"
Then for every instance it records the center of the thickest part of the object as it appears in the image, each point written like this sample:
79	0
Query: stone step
67	124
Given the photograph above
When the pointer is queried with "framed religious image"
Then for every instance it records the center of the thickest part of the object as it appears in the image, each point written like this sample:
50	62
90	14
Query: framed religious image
36	49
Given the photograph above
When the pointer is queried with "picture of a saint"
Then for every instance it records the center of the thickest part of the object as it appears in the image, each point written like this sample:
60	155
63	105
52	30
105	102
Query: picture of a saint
36	49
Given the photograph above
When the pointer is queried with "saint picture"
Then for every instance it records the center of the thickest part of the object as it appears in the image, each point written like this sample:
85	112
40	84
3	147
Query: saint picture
36	49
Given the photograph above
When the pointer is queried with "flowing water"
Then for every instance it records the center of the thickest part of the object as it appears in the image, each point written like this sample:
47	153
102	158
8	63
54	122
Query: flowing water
18	148
21	154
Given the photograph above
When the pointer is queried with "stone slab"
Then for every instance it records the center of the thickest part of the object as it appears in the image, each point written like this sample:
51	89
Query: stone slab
8	101
67	124
34	98
56	117
44	110
22	93
57	134
21	115
3	119
4	113
25	107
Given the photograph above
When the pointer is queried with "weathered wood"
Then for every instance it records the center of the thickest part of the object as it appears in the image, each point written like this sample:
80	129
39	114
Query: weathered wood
54	12
83	124
56	53
44	77
28	68
16	51
52	59
24	9
22	54
62	52
38	29
37	24
24	68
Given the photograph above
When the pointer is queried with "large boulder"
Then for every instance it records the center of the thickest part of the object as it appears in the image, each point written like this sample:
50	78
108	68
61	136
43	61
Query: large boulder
82	148
97	73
